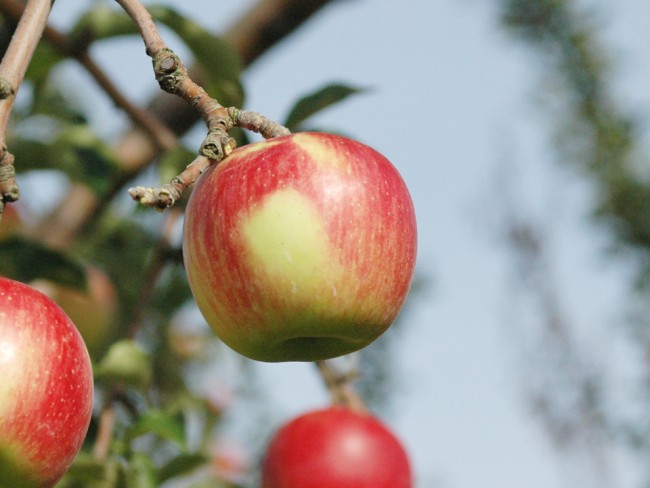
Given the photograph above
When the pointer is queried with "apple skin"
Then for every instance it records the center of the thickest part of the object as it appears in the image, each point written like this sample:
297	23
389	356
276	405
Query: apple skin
46	392
300	248
335	448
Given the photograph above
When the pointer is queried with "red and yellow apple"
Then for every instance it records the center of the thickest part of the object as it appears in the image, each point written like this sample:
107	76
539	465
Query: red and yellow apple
301	247
335	448
46	392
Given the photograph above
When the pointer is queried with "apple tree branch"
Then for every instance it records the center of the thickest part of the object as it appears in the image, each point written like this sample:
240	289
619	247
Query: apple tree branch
173	77
12	72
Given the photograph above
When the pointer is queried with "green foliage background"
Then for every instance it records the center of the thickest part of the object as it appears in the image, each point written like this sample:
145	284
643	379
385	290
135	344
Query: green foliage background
149	375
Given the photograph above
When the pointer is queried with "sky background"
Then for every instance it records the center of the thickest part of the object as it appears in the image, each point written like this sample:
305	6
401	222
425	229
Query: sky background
452	103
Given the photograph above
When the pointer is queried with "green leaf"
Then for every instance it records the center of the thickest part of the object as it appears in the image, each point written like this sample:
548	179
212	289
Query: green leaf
220	64
174	162
89	472
213	484
26	260
180	465
100	22
48	106
140	472
86	467
161	424
105	244
125	363
172	291
317	101
76	151
94	161
43	60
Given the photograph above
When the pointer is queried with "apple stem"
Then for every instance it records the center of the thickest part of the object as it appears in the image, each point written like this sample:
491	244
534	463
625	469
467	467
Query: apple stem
104	432
338	384
257	122
166	195
173	77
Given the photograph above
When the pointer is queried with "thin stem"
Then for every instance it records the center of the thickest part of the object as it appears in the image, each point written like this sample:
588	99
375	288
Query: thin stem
142	18
165	196
257	123
339	386
23	44
105	430
173	77
12	72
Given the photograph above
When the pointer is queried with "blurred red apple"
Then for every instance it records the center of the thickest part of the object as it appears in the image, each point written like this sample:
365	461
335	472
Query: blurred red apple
46	392
301	247
94	311
335	448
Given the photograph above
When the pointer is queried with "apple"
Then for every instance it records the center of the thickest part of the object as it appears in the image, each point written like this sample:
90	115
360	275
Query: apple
335	447
46	392
94	311
301	247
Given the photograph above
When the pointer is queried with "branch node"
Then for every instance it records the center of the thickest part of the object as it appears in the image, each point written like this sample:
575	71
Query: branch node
169	70
166	195
6	88
217	144
257	122
158	198
9	191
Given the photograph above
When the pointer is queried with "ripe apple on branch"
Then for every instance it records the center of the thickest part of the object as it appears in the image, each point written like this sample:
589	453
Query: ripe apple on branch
301	247
297	248
340	446
335	447
46	392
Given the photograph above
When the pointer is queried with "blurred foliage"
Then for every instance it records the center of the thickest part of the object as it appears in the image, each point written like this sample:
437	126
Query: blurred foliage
603	141
27	260
593	131
157	420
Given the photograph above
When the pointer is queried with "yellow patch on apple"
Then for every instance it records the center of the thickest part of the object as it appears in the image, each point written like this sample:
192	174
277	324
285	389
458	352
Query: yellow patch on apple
287	238
326	155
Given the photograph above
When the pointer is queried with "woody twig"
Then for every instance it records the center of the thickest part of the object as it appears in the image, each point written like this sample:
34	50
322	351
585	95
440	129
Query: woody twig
12	72
173	77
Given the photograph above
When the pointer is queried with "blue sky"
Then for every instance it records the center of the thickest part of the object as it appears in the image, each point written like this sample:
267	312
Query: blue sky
451	98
